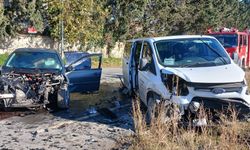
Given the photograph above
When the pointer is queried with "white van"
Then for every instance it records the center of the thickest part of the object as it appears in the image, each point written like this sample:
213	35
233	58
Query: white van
189	71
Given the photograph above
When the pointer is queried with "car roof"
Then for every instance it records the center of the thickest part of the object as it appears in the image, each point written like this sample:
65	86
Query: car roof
35	50
153	39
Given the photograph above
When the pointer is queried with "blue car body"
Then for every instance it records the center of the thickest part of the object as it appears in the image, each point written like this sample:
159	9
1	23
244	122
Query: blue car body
38	76
83	78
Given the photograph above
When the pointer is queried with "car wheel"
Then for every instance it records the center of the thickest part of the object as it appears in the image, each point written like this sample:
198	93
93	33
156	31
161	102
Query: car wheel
63	99
52	106
2	106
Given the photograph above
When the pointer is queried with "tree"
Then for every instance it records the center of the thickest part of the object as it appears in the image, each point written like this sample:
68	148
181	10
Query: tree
3	23
244	13
83	20
24	13
34	15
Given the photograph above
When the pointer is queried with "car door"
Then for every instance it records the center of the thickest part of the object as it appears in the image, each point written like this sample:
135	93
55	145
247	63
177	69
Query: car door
135	57
126	65
148	74
83	71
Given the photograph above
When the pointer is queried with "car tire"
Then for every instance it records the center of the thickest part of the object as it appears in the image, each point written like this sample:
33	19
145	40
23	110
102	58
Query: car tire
63	98
52	106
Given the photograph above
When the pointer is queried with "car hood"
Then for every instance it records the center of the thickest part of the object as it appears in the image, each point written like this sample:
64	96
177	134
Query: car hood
217	74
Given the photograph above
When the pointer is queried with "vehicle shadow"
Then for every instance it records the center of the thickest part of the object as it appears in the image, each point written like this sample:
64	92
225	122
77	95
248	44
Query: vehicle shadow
109	106
10	112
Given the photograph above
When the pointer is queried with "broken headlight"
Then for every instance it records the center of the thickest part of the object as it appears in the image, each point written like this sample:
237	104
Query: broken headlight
175	84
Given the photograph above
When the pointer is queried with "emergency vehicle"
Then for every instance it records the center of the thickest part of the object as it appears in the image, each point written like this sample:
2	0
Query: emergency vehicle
236	43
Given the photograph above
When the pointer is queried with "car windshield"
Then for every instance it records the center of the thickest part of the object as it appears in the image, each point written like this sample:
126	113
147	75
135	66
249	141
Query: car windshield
227	40
191	53
34	60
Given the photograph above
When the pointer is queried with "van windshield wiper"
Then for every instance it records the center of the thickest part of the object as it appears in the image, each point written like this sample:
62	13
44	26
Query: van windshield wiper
195	64
215	51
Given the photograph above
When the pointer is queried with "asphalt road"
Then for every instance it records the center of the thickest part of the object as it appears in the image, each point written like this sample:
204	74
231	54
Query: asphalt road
111	74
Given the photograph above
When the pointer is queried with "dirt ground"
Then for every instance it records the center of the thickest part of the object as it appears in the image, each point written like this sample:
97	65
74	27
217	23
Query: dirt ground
96	121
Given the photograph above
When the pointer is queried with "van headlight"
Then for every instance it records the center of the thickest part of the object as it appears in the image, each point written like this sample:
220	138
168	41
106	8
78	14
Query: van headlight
175	84
247	92
246	84
194	106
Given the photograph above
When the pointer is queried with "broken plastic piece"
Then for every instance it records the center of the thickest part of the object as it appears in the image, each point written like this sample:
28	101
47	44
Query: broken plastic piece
200	122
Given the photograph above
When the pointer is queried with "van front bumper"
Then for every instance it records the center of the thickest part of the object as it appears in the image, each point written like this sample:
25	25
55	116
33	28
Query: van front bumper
237	101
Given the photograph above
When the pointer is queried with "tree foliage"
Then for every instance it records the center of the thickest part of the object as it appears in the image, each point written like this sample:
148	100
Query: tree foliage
83	20
24	13
98	22
3	23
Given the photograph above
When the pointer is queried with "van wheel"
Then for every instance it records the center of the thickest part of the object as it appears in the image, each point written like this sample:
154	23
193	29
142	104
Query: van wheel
153	110
161	112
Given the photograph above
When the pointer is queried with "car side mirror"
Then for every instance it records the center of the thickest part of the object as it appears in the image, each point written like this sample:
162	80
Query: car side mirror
144	64
69	68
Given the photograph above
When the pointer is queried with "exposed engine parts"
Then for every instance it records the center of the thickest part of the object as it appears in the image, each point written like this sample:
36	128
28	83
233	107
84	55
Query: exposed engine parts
176	85
24	90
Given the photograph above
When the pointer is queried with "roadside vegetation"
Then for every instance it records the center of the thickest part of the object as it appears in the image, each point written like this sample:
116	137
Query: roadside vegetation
3	58
102	23
228	134
111	62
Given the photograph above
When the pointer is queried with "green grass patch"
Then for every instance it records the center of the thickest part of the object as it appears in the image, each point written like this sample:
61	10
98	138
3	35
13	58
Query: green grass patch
112	62
3	58
109	62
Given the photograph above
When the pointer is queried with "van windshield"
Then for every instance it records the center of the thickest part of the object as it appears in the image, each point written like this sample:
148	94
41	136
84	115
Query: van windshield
195	52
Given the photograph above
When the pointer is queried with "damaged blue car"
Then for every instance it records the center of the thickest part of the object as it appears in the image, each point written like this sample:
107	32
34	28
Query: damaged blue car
33	77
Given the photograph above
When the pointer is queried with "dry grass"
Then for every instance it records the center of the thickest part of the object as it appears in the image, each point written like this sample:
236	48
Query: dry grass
230	134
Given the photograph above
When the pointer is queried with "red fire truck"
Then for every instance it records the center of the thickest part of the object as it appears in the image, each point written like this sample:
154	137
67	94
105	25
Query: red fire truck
236	43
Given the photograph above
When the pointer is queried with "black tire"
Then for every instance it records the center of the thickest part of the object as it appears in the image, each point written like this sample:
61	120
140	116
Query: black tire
2	106
163	111
151	112
62	103
52	106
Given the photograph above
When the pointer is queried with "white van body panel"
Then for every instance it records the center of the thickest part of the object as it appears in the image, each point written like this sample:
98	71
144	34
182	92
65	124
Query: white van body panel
217	74
230	73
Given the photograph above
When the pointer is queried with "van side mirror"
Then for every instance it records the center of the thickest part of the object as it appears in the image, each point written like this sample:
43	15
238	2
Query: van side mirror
144	64
235	57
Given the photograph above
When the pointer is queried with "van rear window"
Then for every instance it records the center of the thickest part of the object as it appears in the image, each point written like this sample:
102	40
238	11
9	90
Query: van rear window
127	49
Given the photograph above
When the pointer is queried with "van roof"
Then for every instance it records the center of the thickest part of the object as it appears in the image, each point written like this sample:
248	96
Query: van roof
153	39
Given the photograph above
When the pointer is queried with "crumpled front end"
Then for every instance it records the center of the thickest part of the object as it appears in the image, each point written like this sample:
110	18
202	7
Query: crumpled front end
32	90
213	97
